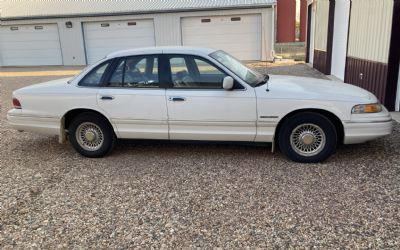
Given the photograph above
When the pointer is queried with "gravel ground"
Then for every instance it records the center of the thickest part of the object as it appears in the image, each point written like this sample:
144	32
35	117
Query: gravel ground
170	195
288	68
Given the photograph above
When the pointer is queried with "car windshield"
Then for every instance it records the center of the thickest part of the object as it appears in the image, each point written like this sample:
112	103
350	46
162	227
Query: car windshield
249	76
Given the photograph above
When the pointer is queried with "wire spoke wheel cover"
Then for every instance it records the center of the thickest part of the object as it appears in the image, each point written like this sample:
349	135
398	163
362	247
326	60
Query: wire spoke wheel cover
89	136
308	140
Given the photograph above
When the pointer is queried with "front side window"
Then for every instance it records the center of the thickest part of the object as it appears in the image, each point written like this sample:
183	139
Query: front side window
94	77
194	72
136	72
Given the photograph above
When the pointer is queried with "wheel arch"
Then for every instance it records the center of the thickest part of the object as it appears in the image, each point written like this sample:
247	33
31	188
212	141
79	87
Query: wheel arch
328	114
69	116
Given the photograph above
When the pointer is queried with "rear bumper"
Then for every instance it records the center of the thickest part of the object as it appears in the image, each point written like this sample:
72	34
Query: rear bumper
37	124
360	132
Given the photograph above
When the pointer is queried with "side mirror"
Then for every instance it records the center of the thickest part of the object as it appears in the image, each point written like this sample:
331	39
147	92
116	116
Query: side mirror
227	84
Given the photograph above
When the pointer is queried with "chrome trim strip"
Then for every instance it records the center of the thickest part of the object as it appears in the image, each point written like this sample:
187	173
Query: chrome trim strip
139	122
269	117
33	116
366	122
214	123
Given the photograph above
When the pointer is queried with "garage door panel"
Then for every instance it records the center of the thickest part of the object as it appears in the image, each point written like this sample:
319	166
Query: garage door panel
35	36
33	46
29	61
217	33
117	35
240	38
228	38
117	44
30	53
29	45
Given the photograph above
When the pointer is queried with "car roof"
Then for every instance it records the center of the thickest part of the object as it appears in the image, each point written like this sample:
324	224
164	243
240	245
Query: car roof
162	50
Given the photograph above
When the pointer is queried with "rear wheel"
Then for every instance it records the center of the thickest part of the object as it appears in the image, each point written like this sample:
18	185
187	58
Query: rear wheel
308	138
91	135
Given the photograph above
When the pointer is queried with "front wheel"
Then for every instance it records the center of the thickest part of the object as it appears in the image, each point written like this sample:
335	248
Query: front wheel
91	135
308	138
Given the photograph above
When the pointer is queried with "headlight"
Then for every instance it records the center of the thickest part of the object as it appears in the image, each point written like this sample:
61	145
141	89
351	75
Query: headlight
367	108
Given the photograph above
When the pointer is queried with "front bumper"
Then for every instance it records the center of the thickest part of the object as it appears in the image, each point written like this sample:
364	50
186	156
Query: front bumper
360	132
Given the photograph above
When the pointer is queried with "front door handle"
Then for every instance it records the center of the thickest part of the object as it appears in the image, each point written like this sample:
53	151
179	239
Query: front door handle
107	98
177	99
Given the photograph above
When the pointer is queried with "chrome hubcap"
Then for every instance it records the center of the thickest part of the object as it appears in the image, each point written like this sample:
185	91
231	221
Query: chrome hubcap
307	140
89	136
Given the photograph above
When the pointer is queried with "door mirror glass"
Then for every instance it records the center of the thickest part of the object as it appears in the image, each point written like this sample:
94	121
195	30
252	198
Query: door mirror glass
228	83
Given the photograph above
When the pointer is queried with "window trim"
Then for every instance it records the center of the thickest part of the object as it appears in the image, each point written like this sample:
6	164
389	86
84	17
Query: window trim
170	85
116	62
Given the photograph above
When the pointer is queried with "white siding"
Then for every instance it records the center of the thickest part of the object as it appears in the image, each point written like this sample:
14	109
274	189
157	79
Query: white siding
46	8
72	43
370	37
26	45
167	30
240	38
341	27
321	25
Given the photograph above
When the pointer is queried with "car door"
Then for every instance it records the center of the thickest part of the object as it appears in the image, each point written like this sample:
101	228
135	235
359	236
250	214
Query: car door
200	109
133	100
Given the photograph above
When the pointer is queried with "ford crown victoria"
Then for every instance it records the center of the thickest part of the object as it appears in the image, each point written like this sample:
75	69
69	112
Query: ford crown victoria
178	93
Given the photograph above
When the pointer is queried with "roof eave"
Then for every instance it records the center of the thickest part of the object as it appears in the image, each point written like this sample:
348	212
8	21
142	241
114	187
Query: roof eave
18	18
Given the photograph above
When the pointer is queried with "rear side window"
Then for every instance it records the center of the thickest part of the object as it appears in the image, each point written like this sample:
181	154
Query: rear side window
136	72
94	77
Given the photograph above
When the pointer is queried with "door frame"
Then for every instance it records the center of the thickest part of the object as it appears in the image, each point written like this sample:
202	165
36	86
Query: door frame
397	108
347	27
394	61
309	20
329	45
311	32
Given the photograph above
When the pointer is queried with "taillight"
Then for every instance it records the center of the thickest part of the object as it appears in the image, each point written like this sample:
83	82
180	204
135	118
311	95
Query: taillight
16	103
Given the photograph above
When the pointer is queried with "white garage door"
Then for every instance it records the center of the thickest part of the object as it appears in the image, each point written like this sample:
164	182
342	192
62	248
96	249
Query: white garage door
238	35
339	50
102	38
27	45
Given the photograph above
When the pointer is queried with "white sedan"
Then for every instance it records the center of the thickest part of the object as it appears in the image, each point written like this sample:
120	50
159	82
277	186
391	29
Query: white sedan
202	94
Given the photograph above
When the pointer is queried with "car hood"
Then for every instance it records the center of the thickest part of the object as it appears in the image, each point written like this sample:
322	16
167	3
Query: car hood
46	87
290	87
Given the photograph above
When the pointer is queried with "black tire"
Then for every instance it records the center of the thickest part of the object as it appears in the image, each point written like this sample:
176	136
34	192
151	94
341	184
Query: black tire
107	135
296	150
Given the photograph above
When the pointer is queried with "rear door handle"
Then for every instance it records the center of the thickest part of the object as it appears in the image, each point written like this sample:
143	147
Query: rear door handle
177	99
107	98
